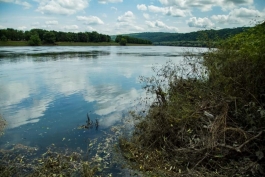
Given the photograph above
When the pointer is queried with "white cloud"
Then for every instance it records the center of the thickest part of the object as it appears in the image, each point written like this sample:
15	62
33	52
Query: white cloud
127	17
237	2
156	9
89	28
238	16
220	18
64	7
52	22
70	27
90	20
159	24
35	24
109	1
245	13
150	24
18	2
22	28
2	27
127	27
137	28
146	16
25	4
171	11
200	22
141	7
114	8
205	5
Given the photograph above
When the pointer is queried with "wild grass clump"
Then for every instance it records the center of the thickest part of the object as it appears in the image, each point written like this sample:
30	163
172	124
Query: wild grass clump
208	116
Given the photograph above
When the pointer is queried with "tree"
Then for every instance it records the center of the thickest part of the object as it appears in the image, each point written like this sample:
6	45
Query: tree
34	40
94	36
3	38
83	37
49	37
118	38
40	32
123	41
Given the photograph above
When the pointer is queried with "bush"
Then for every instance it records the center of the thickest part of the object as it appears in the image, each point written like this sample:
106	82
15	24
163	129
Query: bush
3	38
208	116
123	41
34	40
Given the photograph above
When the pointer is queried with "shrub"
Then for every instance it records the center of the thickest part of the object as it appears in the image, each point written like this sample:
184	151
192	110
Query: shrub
123	41
34	40
3	38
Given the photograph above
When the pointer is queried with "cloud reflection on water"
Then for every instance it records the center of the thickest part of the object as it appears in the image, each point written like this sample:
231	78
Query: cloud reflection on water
13	93
29	114
109	82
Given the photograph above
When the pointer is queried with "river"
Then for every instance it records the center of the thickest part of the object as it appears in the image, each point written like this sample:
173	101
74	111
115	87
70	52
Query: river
46	93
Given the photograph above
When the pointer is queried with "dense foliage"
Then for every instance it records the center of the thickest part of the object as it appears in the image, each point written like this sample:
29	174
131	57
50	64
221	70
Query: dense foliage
208	115
132	40
123	41
186	39
53	36
34	40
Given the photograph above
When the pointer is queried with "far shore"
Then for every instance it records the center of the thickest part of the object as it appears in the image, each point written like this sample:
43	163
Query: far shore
25	43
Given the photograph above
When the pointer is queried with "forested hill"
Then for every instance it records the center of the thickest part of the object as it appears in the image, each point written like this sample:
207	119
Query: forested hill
161	37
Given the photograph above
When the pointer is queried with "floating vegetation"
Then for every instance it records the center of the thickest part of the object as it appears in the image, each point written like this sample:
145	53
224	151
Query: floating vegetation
2	125
25	161
99	158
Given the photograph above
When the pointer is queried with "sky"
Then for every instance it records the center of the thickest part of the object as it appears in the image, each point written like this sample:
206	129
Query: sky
130	16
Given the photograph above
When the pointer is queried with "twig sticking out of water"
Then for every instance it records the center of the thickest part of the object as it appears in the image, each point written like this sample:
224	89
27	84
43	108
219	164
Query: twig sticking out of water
88	119
89	123
96	124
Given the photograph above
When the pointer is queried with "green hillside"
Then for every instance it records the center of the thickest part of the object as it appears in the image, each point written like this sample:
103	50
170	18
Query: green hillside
186	39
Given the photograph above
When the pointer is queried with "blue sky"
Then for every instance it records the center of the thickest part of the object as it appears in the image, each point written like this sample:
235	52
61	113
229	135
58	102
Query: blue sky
130	16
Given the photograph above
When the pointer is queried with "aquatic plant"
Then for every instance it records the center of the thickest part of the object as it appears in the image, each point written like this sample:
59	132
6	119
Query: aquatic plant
97	160
90	124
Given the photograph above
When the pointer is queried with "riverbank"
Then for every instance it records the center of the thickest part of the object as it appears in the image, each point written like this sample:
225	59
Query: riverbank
208	114
25	43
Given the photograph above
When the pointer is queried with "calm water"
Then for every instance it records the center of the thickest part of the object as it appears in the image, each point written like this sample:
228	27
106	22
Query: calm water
46	92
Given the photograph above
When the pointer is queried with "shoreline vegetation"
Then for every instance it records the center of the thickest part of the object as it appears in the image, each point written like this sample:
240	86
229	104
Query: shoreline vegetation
208	114
2	125
40	37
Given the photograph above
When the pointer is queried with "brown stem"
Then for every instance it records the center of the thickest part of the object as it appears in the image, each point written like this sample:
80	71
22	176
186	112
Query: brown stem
238	149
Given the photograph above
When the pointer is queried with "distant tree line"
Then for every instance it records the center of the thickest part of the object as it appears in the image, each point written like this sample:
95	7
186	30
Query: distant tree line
183	43
123	39
192	36
36	36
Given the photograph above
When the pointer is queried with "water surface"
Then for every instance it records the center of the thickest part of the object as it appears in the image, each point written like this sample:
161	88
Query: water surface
46	92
